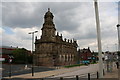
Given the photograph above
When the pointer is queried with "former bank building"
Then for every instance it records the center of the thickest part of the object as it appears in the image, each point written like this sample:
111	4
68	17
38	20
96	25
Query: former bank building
51	49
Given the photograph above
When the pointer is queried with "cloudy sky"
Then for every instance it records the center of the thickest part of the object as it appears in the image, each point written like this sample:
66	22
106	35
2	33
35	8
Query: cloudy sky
72	19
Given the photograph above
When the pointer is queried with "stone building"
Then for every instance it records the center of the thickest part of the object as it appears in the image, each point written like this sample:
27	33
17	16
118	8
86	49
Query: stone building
51	49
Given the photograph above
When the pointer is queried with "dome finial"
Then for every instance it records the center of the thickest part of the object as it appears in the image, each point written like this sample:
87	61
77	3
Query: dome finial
48	9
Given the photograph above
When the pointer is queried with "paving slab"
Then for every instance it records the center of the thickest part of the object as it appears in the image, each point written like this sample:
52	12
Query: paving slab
114	74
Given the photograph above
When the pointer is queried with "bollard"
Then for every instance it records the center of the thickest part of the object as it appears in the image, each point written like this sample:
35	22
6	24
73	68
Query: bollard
103	72
10	70
97	75
61	78
77	78
41	79
9	74
88	76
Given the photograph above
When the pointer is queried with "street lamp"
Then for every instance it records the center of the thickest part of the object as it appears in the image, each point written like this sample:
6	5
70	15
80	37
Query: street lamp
10	61
99	39
118	25
118	28
116	47
32	50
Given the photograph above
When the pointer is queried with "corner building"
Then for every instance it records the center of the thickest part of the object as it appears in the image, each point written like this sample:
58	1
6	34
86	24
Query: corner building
51	49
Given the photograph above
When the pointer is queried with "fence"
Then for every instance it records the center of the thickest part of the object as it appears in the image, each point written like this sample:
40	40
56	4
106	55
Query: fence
87	76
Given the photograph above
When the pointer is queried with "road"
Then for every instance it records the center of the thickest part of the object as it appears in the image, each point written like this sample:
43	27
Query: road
68	73
20	69
83	72
65	73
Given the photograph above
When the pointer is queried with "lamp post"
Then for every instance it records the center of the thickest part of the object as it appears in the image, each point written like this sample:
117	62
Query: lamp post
10	61
10	67
116	47
32	51
118	28
99	39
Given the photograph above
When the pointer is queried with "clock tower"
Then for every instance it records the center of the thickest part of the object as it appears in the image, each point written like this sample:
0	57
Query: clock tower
51	49
48	29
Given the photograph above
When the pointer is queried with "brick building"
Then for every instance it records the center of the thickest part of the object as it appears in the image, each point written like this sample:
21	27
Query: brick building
6	51
85	54
51	49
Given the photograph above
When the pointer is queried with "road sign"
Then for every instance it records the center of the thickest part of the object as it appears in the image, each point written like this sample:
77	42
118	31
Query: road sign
2	59
10	60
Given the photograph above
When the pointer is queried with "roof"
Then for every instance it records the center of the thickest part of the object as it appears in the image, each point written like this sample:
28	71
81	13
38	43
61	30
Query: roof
8	47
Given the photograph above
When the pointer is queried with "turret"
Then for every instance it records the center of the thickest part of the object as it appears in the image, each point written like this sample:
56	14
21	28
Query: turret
65	39
48	29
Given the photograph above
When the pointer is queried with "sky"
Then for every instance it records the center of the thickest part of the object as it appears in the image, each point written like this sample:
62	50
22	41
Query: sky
72	19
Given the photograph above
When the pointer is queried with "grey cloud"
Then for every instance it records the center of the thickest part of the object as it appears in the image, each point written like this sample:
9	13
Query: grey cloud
66	22
119	12
87	35
75	18
27	15
16	15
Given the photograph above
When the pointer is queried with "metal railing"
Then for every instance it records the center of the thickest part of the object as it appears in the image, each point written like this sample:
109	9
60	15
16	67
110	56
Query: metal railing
86	76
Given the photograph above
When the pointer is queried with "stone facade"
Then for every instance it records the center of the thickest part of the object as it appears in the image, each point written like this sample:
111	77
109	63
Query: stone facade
51	49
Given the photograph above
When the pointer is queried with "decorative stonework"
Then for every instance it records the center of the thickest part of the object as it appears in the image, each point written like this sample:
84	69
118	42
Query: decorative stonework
51	49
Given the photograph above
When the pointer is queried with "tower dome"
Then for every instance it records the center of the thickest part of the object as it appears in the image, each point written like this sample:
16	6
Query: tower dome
48	14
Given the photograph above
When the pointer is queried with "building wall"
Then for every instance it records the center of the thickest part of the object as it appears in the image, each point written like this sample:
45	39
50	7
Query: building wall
51	49
53	54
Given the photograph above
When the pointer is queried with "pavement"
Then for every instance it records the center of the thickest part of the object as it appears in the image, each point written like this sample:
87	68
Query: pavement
64	71
81	72
114	74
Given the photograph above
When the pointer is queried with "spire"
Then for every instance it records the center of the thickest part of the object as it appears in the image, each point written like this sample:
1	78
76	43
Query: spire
48	14
68	40
48	9
65	39
61	35
71	40
48	29
57	34
36	38
88	48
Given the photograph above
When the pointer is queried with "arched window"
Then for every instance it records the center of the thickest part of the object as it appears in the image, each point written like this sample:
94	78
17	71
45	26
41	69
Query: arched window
72	57
64	58
60	58
67	57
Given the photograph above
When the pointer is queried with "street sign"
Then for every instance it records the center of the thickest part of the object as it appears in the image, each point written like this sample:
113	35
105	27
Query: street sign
2	59
10	60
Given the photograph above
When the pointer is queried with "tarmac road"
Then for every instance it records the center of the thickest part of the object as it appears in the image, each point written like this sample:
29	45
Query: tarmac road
18	69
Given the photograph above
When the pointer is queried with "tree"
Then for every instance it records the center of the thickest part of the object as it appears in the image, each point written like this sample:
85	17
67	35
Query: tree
21	56
118	53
